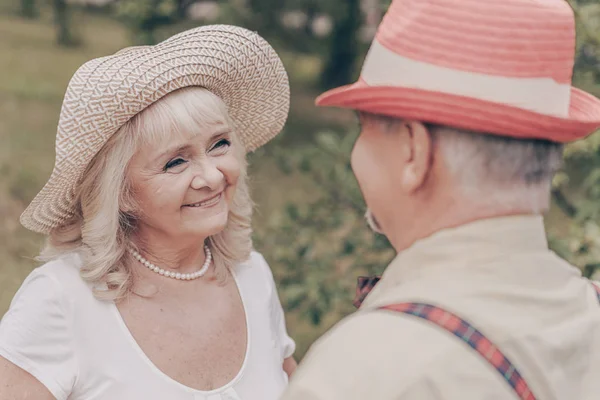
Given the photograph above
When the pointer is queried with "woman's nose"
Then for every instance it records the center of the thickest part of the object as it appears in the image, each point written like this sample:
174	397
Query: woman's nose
207	174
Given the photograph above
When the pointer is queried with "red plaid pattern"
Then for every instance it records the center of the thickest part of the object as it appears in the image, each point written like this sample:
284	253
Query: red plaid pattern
474	338
364	285
459	328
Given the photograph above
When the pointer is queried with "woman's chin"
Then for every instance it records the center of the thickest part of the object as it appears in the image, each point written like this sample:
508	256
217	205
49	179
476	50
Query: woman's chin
208	226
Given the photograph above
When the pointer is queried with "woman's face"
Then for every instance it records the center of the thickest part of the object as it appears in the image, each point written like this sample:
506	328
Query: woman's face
184	184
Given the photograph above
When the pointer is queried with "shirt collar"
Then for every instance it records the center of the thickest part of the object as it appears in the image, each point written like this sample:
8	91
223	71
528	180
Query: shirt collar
460	246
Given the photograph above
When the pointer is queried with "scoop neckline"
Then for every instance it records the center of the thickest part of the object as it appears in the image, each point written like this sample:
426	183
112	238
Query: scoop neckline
172	381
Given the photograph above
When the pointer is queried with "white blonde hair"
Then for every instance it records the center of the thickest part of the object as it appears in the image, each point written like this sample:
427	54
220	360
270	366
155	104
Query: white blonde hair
105	218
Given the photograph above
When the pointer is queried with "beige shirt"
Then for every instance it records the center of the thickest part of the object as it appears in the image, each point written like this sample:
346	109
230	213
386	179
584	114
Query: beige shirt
499	275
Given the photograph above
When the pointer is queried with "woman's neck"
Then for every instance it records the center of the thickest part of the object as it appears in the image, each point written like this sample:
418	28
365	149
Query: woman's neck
184	255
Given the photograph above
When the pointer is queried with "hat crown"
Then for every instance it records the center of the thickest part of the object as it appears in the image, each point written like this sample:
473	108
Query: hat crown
106	92
510	38
500	67
232	62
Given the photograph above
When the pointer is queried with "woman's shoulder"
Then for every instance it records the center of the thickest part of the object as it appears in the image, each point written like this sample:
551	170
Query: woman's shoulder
255	269
257	259
255	262
65	269
36	332
57	277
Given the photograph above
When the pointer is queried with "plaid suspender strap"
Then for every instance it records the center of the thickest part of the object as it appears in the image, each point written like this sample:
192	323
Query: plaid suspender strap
471	336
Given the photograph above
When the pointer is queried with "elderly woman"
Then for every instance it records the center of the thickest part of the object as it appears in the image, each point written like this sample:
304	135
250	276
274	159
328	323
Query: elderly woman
151	289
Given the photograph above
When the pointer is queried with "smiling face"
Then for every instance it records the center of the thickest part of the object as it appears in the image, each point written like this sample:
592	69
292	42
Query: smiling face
184	174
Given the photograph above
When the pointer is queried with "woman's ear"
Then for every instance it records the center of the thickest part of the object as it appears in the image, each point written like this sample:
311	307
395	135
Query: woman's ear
419	148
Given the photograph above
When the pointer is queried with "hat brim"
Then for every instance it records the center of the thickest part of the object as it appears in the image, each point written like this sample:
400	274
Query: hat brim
234	63
469	113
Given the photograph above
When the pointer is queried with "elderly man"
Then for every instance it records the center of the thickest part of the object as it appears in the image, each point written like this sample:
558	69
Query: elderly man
464	106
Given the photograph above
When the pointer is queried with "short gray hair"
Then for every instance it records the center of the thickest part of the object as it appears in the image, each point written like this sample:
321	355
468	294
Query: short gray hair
502	159
496	169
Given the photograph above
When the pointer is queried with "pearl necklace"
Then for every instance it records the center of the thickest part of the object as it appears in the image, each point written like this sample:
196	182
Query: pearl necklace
172	274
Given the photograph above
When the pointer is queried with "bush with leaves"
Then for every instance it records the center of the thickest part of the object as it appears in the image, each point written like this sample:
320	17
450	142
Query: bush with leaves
319	245
576	189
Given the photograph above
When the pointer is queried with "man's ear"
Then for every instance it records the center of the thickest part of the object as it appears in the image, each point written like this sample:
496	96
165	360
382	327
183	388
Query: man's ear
419	147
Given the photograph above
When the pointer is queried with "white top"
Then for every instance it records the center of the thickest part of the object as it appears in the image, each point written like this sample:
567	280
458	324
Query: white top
497	274
80	348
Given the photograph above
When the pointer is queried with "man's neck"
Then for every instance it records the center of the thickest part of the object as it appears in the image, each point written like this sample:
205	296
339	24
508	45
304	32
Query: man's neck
429	222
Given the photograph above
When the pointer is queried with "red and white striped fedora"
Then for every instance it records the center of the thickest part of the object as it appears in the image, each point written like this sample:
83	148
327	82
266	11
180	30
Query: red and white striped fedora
494	66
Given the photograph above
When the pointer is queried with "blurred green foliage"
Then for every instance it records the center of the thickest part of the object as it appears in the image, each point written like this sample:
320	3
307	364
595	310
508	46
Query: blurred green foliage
310	223
576	189
321	243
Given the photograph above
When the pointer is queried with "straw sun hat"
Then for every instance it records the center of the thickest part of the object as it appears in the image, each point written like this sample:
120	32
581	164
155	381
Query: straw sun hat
496	66
235	64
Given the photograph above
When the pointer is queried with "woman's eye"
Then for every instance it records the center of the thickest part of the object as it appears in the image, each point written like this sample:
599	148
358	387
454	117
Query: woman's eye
223	143
174	163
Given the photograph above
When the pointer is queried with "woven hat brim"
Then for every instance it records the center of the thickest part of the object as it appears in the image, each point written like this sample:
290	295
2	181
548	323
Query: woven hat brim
469	113
236	64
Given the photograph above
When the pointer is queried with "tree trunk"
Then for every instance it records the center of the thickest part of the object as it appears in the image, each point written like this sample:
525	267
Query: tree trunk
145	35
265	16
181	8
62	21
344	48
28	9
311	10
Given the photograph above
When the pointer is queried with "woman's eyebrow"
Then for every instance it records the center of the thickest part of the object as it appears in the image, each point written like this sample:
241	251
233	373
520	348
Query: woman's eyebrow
187	146
173	149
221	132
